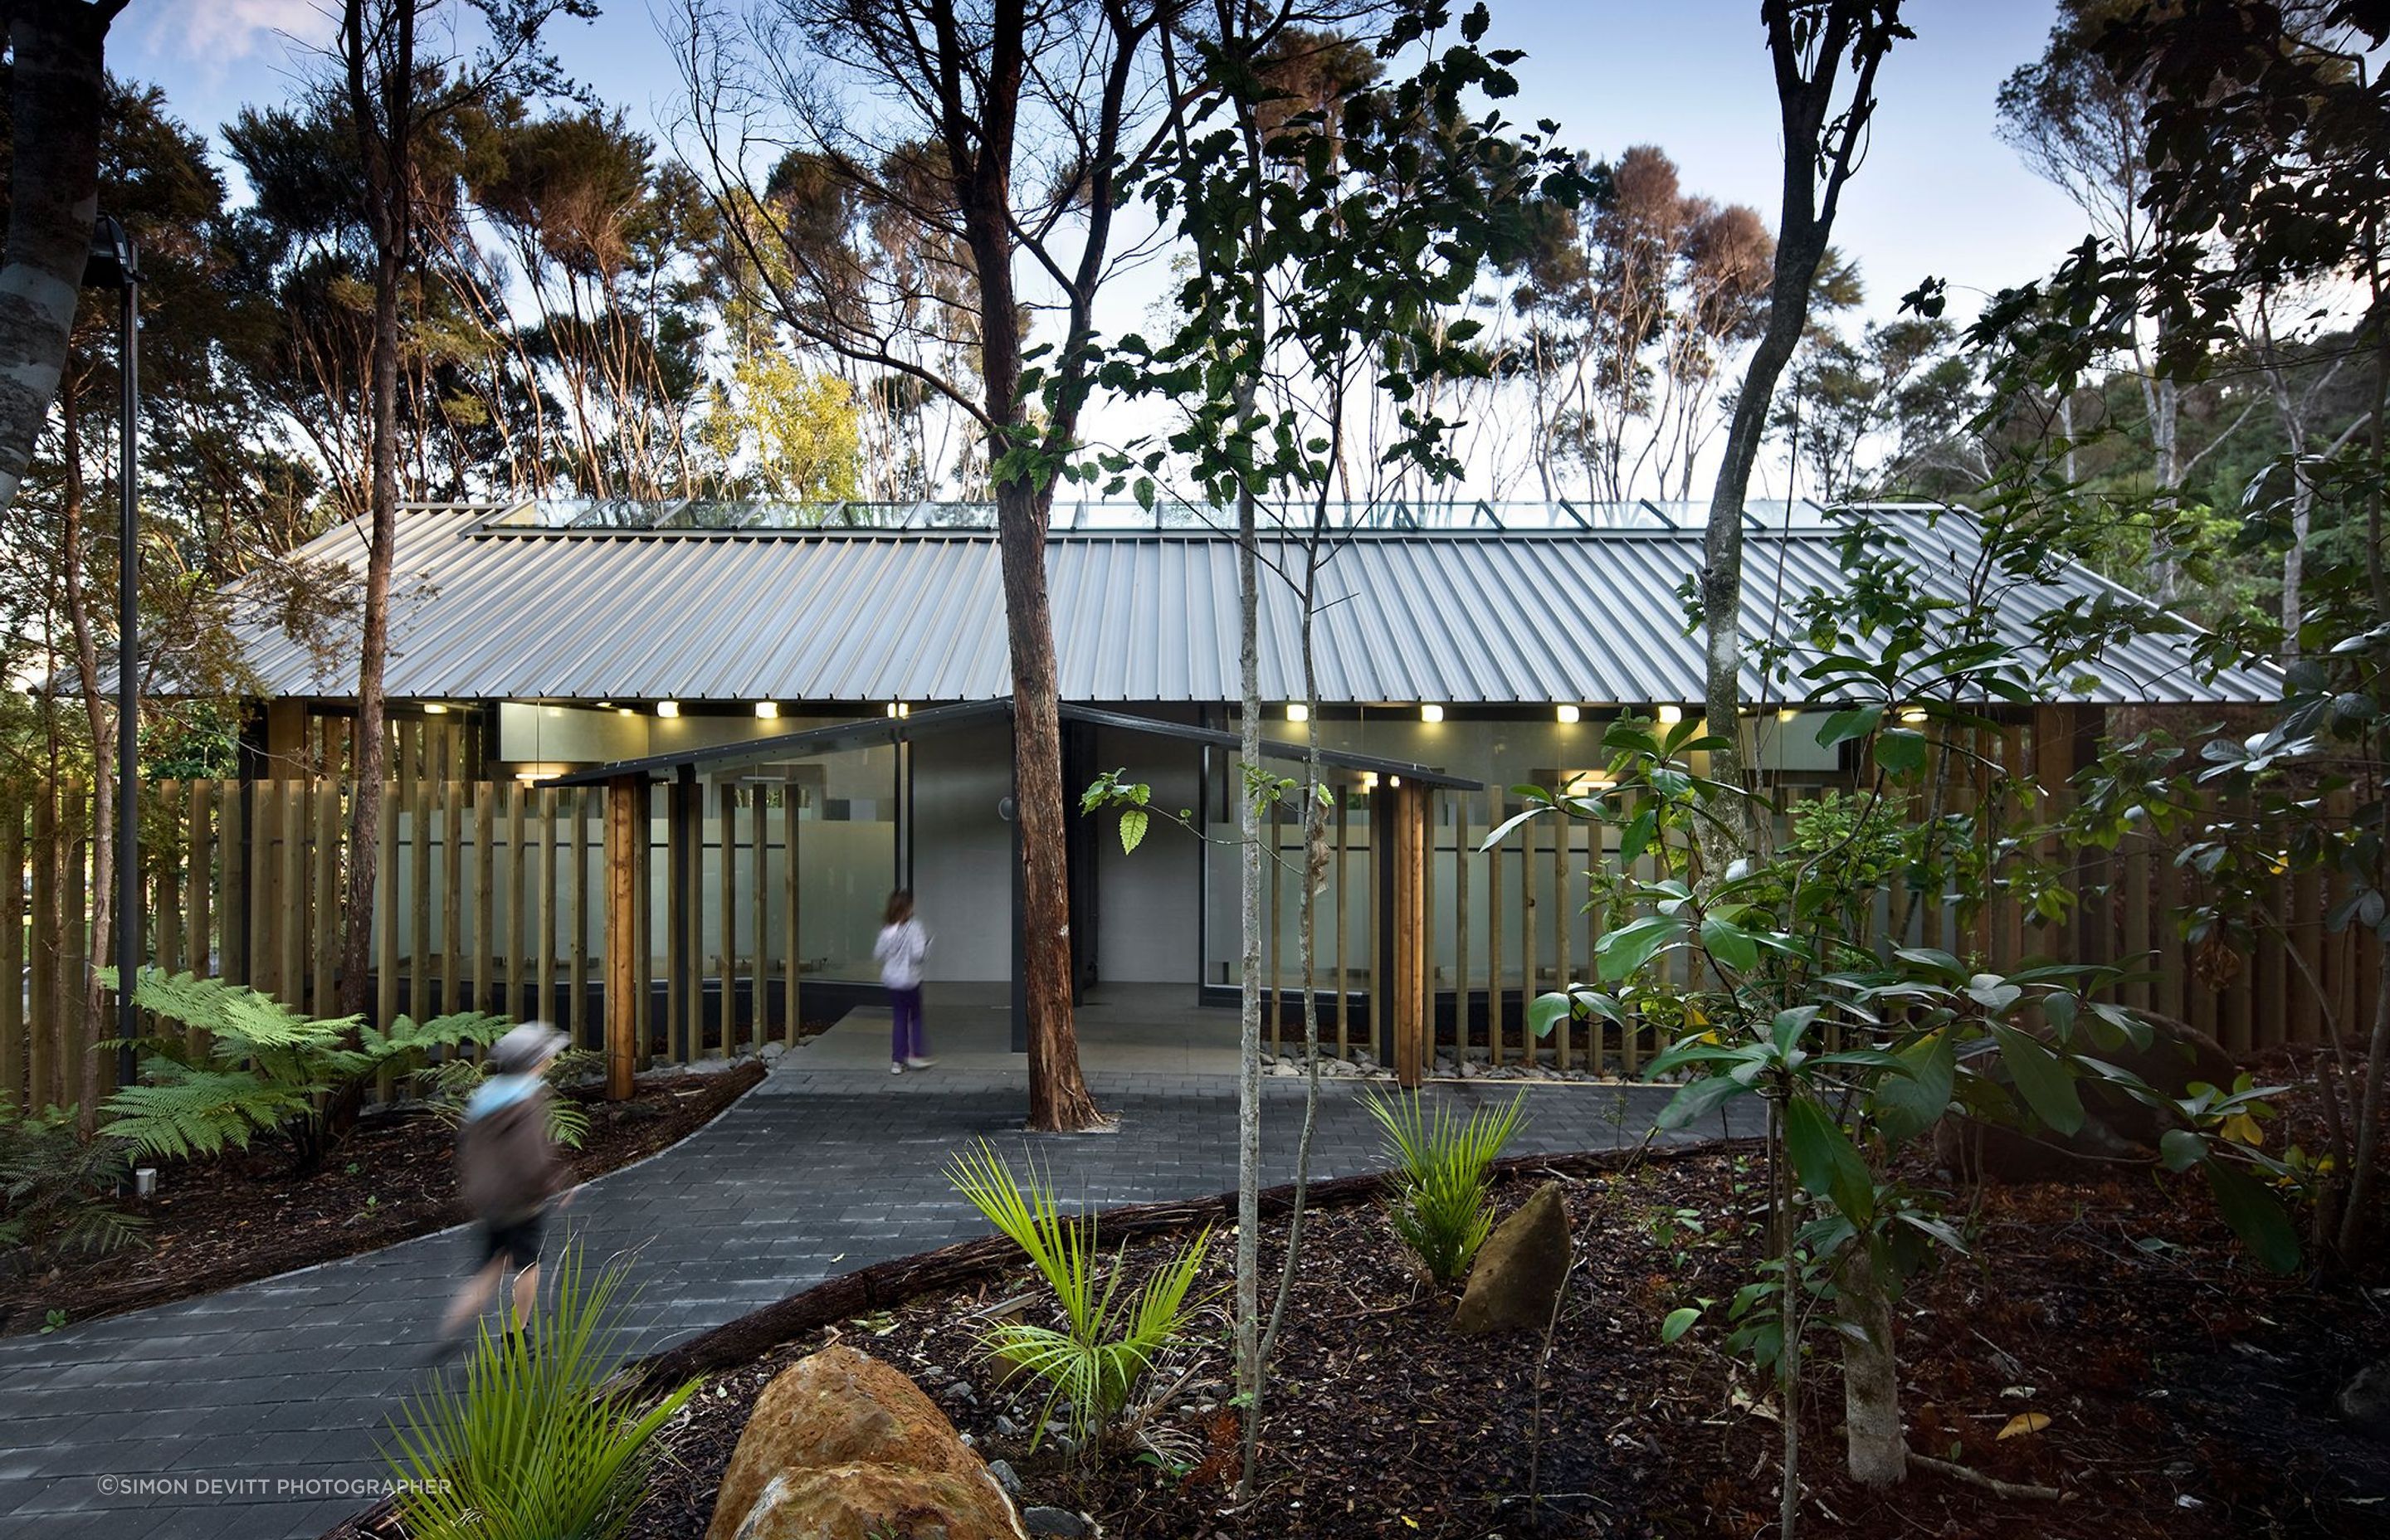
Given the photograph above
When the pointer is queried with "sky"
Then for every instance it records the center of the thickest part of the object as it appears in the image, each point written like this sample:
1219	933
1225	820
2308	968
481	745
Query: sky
1938	193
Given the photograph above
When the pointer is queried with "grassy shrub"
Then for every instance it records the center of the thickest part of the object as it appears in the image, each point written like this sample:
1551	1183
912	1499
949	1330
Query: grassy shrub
1093	1363
1442	1177
262	1067
536	1441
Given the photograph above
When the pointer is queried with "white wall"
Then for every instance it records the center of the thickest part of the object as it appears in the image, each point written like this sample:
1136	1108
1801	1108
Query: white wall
962	851
1152	898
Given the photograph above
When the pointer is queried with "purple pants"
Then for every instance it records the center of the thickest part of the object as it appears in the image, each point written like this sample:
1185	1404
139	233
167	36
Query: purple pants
907	1005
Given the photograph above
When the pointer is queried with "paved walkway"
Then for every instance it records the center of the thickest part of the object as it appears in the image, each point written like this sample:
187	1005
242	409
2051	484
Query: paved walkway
256	1412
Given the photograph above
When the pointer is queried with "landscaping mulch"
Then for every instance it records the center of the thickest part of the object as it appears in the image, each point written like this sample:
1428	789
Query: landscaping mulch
246	1215
2187	1395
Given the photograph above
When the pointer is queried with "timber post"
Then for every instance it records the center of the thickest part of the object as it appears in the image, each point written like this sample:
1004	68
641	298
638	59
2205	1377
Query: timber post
625	848
1413	853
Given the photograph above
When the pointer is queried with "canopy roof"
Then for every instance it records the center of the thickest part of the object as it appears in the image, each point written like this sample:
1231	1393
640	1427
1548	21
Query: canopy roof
492	605
769	758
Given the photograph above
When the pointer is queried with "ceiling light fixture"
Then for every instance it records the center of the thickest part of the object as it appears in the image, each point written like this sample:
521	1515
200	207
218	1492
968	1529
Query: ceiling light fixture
1430	712
1297	712
667	708
1669	716
1568	714
767	709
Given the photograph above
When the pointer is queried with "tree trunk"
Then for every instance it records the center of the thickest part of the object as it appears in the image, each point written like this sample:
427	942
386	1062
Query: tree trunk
85	1077
1248	996
1797	255
381	100
1807	52
1059	1100
57	82
1877	1449
2166	418
981	151
366	791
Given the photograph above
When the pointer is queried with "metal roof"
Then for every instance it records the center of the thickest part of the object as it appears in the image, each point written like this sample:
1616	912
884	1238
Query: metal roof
865	616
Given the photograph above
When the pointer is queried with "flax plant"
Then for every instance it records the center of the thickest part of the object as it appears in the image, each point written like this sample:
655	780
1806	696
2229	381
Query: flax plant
1442	1177
540	1440
1093	1363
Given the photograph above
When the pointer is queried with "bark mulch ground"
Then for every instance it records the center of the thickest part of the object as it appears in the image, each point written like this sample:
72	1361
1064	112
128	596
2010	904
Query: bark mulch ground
246	1215
2187	1394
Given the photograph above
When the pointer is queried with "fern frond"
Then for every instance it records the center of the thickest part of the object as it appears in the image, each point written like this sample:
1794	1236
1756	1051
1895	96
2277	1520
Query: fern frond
407	1035
189	1112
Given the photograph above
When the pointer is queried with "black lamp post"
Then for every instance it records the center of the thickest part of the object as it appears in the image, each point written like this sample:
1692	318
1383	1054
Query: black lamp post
113	264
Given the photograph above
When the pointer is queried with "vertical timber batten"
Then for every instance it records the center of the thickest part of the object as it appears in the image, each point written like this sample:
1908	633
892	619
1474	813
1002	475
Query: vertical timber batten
625	847
1409	846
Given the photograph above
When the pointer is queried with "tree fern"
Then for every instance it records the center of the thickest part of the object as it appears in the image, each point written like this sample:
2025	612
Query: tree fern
266	1066
57	1193
179	1112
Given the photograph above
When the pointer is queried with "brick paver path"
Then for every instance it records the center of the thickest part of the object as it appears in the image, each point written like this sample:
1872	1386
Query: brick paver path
255	1413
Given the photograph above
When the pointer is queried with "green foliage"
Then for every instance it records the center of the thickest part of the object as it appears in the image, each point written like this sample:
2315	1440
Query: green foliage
446	1085
1091	1365
1443	1207
542	1440
58	1192
1113	789
265	1067
796	433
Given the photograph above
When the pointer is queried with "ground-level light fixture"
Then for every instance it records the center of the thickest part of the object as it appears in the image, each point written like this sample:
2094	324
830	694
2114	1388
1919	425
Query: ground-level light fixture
1568	714
1297	712
767	709
1668	716
667	708
1430	711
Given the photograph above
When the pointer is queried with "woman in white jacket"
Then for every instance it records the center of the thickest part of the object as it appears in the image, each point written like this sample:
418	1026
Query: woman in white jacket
902	945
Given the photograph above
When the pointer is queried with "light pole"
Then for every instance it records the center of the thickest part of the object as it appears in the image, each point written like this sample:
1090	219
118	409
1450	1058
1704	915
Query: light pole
114	265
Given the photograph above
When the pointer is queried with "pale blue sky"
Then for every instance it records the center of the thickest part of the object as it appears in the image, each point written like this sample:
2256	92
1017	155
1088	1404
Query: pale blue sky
1939	194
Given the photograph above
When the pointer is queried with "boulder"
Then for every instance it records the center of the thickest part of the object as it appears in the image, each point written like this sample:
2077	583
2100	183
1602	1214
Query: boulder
2364	1401
840	1446
1520	1269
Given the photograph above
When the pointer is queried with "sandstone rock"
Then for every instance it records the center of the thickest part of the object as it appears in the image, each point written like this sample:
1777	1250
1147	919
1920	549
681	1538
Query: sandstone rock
2365	1400
1519	1270
841	1446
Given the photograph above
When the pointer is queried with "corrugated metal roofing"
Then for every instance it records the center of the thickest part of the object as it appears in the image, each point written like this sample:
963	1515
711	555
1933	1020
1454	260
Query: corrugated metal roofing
859	617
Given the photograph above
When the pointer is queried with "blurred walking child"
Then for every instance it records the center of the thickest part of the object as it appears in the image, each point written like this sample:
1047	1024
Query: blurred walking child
508	1168
902	945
